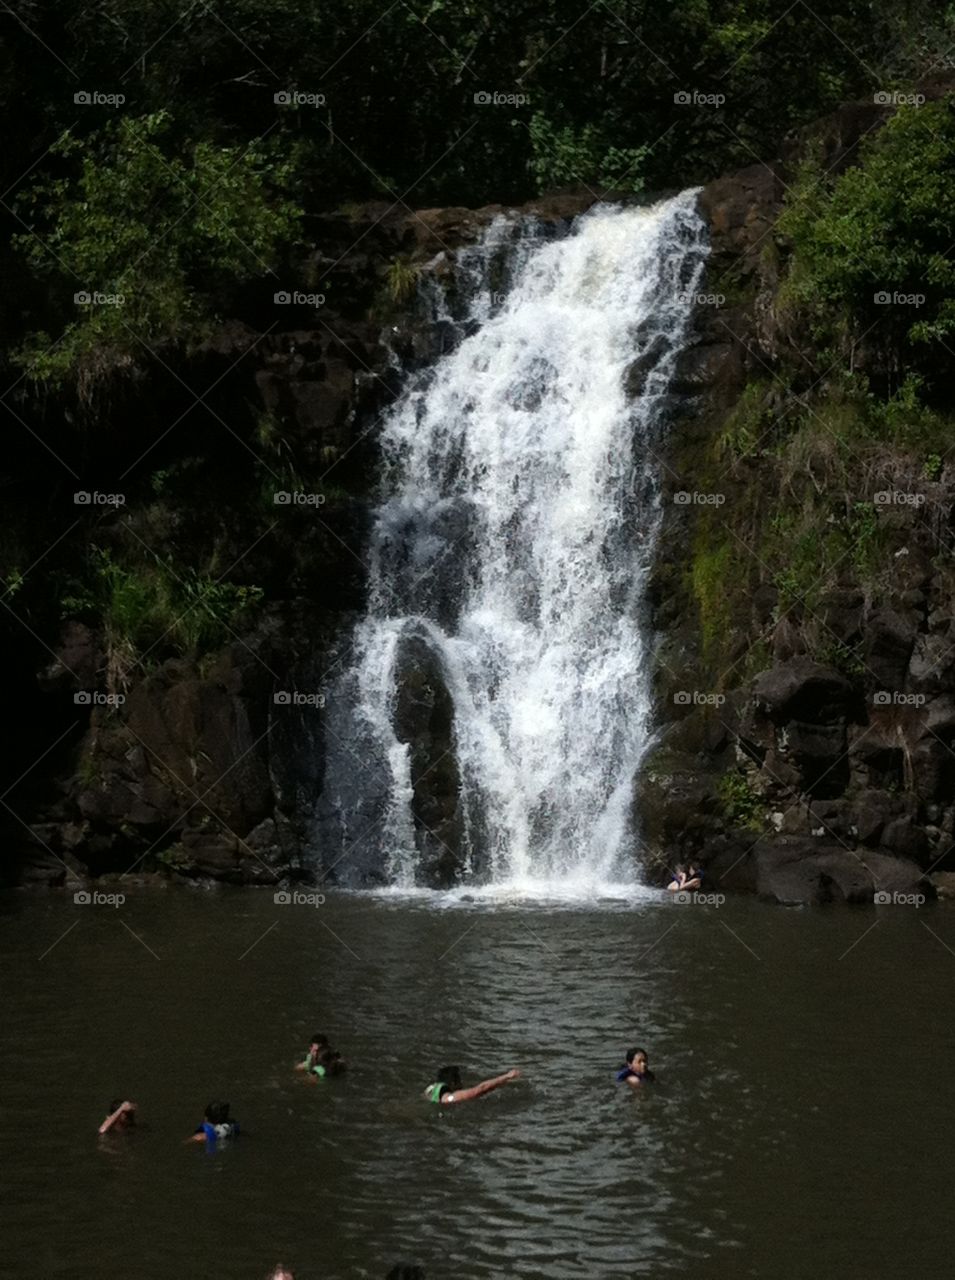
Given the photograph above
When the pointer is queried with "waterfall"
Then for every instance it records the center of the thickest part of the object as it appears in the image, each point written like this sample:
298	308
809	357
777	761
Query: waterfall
503	661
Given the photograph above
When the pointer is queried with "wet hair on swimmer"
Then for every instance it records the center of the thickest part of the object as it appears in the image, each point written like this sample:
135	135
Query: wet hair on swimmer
217	1113
320	1040
331	1060
632	1053
450	1076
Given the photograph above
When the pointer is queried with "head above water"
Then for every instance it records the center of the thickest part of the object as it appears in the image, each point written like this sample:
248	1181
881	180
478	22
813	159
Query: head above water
637	1060
217	1113
318	1041
451	1076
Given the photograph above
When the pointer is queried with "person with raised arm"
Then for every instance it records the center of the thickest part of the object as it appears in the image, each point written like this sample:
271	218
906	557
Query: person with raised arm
448	1087
122	1115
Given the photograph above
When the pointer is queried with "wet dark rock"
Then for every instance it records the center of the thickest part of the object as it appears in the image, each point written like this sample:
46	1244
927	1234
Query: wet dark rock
800	870
424	718
802	690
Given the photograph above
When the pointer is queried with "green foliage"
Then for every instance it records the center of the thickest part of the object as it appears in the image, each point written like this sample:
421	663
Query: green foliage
401	281
711	578
149	610
741	805
873	248
746	425
843	657
568	156
152	225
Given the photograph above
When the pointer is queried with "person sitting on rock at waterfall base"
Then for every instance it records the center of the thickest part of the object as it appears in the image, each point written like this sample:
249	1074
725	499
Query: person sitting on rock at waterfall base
216	1126
636	1070
688	878
122	1115
448	1088
321	1060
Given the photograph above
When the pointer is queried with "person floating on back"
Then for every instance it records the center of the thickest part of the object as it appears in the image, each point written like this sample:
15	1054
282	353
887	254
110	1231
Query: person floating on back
216	1126
636	1071
321	1060
122	1115
448	1088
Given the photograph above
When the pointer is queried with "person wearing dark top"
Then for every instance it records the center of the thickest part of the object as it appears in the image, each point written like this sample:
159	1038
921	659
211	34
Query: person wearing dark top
636	1071
216	1126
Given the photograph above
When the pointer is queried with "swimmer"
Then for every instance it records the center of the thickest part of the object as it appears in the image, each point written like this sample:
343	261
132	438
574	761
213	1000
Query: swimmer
122	1115
448	1087
281	1272
321	1060
216	1125
637	1071
316	1047
685	878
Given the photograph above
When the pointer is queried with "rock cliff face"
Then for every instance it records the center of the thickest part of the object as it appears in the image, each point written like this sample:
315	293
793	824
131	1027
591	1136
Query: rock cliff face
254	457
806	746
806	731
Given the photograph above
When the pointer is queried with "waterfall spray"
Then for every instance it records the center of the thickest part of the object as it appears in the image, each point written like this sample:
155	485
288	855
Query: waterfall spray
512	543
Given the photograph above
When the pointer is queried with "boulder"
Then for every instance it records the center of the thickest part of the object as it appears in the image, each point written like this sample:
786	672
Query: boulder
888	646
804	690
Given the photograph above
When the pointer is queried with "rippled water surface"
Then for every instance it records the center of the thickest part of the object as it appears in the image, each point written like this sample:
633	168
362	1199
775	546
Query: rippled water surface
802	1125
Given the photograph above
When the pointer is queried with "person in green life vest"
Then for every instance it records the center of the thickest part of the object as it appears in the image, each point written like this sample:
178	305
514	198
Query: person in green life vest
321	1060
448	1088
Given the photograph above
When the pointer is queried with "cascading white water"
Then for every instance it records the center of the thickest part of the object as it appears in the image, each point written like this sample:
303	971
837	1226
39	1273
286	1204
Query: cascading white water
514	541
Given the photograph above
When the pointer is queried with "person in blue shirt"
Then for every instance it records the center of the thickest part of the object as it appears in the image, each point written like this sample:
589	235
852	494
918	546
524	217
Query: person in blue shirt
636	1070
216	1126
